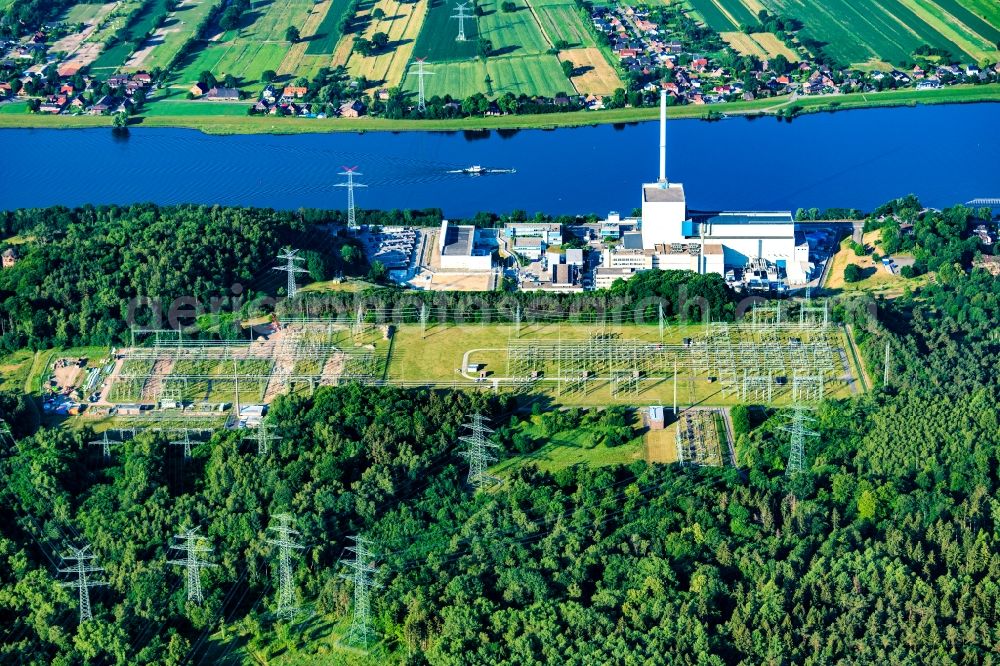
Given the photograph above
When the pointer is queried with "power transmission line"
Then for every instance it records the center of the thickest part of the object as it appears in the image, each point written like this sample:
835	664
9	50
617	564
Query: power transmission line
479	455
263	435
83	585
799	432
421	102
351	172
105	444
363	578
186	443
290	256
191	543
461	16
287	609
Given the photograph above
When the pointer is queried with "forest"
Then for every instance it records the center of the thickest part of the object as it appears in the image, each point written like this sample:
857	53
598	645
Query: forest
883	551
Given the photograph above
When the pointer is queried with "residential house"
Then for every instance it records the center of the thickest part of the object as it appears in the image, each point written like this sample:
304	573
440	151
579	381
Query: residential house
223	95
197	90
5	89
103	105
352	109
294	91
53	104
143	78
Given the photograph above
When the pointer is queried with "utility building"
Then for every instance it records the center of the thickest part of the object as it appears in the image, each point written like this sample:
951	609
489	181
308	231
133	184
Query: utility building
718	242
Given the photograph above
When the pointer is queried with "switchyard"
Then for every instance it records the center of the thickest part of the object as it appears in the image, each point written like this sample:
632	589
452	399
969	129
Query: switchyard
769	357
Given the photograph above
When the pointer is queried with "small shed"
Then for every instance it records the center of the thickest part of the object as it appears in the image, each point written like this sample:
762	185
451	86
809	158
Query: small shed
655	417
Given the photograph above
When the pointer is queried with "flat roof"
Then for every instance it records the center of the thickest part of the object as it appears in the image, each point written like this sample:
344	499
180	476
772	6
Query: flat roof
656	193
743	217
458	241
632	240
713	248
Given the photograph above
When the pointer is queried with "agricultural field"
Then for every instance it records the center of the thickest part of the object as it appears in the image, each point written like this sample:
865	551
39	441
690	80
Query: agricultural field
561	20
437	37
318	39
513	33
729	15
760	44
168	39
249	51
888	31
79	48
530	74
402	24
87	12
593	75
140	24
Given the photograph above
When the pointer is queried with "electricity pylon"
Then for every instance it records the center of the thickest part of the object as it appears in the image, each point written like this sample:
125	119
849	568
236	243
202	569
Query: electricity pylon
461	16
351	172
478	455
421	103
263	435
290	256
363	578
799	432
83	585
287	609
185	441
191	543
105	443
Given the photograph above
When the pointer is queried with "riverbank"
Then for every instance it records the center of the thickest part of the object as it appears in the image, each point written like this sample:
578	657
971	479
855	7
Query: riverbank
231	118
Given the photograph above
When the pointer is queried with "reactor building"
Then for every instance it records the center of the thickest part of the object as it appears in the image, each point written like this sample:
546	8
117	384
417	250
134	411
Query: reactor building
727	243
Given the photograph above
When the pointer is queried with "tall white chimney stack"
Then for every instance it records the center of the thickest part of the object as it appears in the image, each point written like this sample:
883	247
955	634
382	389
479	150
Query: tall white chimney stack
663	137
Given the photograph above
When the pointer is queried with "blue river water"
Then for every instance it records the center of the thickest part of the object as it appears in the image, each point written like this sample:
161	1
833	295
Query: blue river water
944	154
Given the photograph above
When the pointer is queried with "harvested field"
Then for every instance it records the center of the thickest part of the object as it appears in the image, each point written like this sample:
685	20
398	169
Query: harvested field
661	446
325	39
296	62
402	24
593	73
759	44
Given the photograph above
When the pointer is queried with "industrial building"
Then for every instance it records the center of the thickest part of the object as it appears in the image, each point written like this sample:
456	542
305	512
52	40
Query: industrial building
715	243
460	251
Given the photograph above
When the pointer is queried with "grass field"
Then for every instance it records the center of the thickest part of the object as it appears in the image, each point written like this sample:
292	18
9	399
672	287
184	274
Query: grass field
437	37
725	15
402	24
440	356
513	33
140	25
580	446
85	12
161	48
876	278
530	74
860	31
562	21
13	115
247	52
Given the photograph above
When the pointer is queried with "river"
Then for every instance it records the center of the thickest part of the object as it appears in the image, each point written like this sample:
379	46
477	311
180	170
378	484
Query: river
945	154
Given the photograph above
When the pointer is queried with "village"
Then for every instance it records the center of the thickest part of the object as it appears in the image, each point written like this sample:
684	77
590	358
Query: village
655	49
